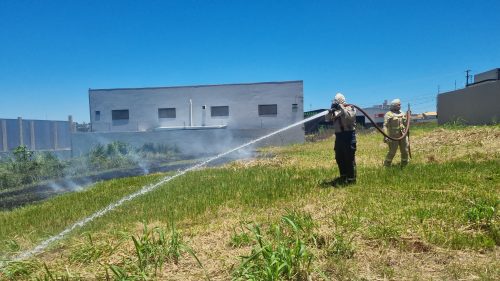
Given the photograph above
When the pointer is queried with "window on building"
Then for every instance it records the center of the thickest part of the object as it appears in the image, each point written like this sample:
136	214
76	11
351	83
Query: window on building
295	107
97	115
218	111
166	113
121	114
268	109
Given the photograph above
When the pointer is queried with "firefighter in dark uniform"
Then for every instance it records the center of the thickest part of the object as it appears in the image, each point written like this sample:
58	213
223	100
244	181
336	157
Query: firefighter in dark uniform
344	120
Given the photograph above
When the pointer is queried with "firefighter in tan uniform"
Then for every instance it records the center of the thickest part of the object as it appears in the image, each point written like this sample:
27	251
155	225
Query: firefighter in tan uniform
394	126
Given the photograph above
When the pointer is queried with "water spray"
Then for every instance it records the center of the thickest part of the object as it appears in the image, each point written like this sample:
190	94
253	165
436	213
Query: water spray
42	246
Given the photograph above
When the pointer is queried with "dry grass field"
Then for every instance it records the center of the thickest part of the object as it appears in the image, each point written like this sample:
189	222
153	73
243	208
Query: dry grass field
276	218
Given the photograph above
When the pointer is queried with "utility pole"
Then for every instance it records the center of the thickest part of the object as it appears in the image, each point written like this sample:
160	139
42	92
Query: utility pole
467	77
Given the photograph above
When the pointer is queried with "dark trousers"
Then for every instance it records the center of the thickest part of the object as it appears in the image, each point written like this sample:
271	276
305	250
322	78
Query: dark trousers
345	150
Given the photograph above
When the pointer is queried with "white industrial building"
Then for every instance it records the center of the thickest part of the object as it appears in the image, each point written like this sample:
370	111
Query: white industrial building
476	104
195	119
376	112
264	105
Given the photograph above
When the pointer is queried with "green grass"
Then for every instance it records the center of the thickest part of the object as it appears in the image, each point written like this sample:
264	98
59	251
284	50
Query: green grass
450	204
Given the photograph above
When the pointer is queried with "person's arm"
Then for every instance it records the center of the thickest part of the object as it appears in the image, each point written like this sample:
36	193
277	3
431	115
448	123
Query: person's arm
329	116
349	112
333	113
387	117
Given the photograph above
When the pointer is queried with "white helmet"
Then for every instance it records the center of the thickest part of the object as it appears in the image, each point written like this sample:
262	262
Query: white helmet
339	98
395	102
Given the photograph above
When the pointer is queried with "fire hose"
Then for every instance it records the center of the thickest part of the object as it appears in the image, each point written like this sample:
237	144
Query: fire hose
406	131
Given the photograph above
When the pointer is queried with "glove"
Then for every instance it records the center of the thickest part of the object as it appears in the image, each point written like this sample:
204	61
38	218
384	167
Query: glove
387	140
335	106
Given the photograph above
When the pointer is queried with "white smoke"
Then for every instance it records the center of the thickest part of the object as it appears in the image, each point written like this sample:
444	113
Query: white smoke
41	247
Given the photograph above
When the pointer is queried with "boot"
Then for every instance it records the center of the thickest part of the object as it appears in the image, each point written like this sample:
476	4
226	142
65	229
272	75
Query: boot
350	181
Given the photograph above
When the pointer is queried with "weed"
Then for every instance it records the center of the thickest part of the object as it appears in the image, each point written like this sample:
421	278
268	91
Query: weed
121	274
423	214
386	233
340	269
340	247
301	222
153	248
240	239
90	251
48	275
12	245
483	215
482	212
19	269
284	256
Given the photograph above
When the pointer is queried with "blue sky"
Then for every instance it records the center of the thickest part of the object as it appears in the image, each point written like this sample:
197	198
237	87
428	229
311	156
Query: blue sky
52	52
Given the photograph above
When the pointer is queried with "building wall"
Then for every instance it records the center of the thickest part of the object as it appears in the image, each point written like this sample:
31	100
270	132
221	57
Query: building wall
377	114
493	74
242	99
474	105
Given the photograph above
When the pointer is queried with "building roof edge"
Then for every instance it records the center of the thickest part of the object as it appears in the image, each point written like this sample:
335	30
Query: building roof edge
198	86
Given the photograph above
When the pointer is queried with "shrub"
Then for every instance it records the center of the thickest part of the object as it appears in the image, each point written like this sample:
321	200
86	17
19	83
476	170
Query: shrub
24	166
110	156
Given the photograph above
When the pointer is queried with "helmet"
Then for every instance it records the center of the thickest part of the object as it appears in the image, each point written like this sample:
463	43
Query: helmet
339	98
395	102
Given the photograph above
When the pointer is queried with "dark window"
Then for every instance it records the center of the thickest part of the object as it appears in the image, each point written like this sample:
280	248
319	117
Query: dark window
268	109
219	111
97	115
295	107
121	114
166	112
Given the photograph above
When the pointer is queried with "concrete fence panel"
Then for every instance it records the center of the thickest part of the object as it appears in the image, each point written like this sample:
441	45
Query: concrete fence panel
35	134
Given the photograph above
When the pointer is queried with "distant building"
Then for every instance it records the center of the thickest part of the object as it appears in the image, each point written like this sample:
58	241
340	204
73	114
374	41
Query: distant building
477	104
204	119
235	106
425	117
313	126
430	115
376	112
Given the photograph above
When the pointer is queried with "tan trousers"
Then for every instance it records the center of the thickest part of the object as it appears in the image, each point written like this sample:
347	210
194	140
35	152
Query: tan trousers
393	147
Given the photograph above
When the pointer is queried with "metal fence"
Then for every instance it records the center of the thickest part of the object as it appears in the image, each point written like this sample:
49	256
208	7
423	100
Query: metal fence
35	134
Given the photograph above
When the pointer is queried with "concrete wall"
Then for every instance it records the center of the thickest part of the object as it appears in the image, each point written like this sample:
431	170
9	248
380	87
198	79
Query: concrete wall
37	135
242	99
475	105
189	142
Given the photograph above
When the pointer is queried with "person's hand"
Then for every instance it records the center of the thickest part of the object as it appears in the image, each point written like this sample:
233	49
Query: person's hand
387	140
335	106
